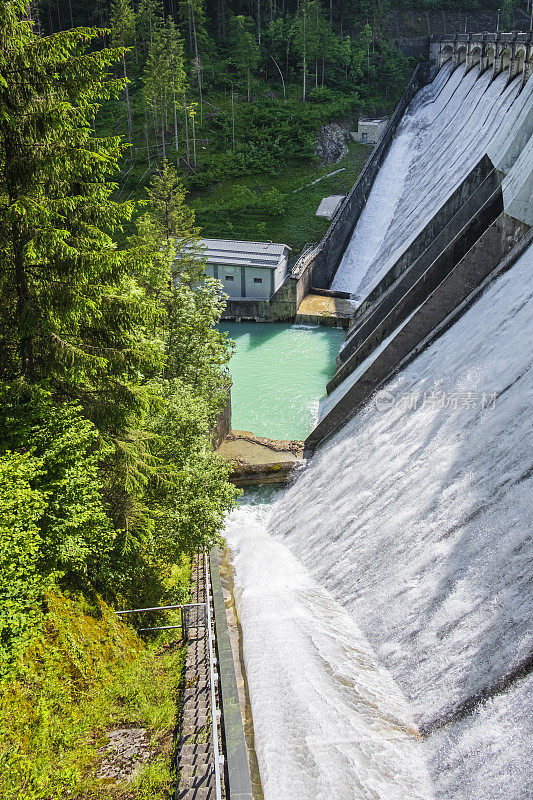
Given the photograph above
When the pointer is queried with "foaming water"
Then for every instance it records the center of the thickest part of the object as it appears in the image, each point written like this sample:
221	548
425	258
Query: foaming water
443	134
396	568
329	721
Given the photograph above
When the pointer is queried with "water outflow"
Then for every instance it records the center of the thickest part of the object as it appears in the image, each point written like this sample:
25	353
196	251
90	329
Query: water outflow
329	721
444	133
391	582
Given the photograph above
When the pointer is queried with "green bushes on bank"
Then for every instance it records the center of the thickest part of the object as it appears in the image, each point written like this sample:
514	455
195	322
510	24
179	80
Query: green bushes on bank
86	673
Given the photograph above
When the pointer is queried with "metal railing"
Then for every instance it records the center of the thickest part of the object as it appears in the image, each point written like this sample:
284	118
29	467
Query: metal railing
185	609
213	677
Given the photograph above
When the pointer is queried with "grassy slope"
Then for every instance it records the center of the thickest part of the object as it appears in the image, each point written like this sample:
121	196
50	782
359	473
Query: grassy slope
85	674
297	224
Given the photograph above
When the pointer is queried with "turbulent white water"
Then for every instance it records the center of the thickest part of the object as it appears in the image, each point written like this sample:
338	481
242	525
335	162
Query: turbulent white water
413	525
329	721
390	586
444	133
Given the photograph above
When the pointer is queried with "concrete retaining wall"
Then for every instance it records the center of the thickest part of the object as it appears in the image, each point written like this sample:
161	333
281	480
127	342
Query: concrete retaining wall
432	233
436	250
237	770
317	268
281	307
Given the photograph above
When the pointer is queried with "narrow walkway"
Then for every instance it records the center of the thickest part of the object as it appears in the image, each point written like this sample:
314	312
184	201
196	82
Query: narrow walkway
195	749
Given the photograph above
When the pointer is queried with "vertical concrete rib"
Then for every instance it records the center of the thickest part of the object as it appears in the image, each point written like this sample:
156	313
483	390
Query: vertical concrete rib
238	770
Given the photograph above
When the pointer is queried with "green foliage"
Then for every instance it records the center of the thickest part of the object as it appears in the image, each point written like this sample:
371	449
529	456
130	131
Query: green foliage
244	48
95	496
164	78
21	585
192	497
75	533
69	302
122	23
219	215
170	216
85	673
320	94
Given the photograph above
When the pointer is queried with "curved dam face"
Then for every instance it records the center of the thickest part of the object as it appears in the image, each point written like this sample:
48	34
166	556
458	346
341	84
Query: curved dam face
385	597
445	131
413	527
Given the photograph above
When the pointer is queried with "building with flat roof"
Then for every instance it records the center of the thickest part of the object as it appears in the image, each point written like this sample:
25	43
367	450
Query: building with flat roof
247	270
370	131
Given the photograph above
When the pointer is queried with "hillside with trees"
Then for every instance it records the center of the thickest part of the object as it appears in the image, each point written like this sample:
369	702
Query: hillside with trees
116	118
111	378
233	93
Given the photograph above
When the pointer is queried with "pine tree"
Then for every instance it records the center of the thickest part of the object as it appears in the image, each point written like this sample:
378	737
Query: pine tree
245	50
122	24
164	80
70	315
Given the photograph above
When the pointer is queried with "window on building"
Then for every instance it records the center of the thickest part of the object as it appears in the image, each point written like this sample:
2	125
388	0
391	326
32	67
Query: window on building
229	277
364	138
258	280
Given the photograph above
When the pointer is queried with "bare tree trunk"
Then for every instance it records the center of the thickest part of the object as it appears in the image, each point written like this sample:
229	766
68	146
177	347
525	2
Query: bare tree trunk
187	150
176	142
232	121
127	98
198	65
148	151
27	361
282	78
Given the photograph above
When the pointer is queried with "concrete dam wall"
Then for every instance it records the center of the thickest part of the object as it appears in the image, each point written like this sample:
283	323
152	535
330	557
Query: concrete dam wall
437	224
386	596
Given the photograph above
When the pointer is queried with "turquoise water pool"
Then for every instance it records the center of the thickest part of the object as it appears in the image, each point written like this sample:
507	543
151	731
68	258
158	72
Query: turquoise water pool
279	374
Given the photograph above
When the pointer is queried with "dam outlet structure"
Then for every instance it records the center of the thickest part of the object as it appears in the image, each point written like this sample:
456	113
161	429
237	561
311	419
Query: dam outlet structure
385	596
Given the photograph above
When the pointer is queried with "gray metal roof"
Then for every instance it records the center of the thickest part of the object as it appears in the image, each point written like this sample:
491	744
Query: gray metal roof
231	252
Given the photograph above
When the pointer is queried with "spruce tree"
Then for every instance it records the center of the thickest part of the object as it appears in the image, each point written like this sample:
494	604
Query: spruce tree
164	80
245	50
70	312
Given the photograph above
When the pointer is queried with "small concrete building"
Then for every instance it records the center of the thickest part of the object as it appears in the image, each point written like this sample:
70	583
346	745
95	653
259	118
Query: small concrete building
247	270
370	131
329	206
